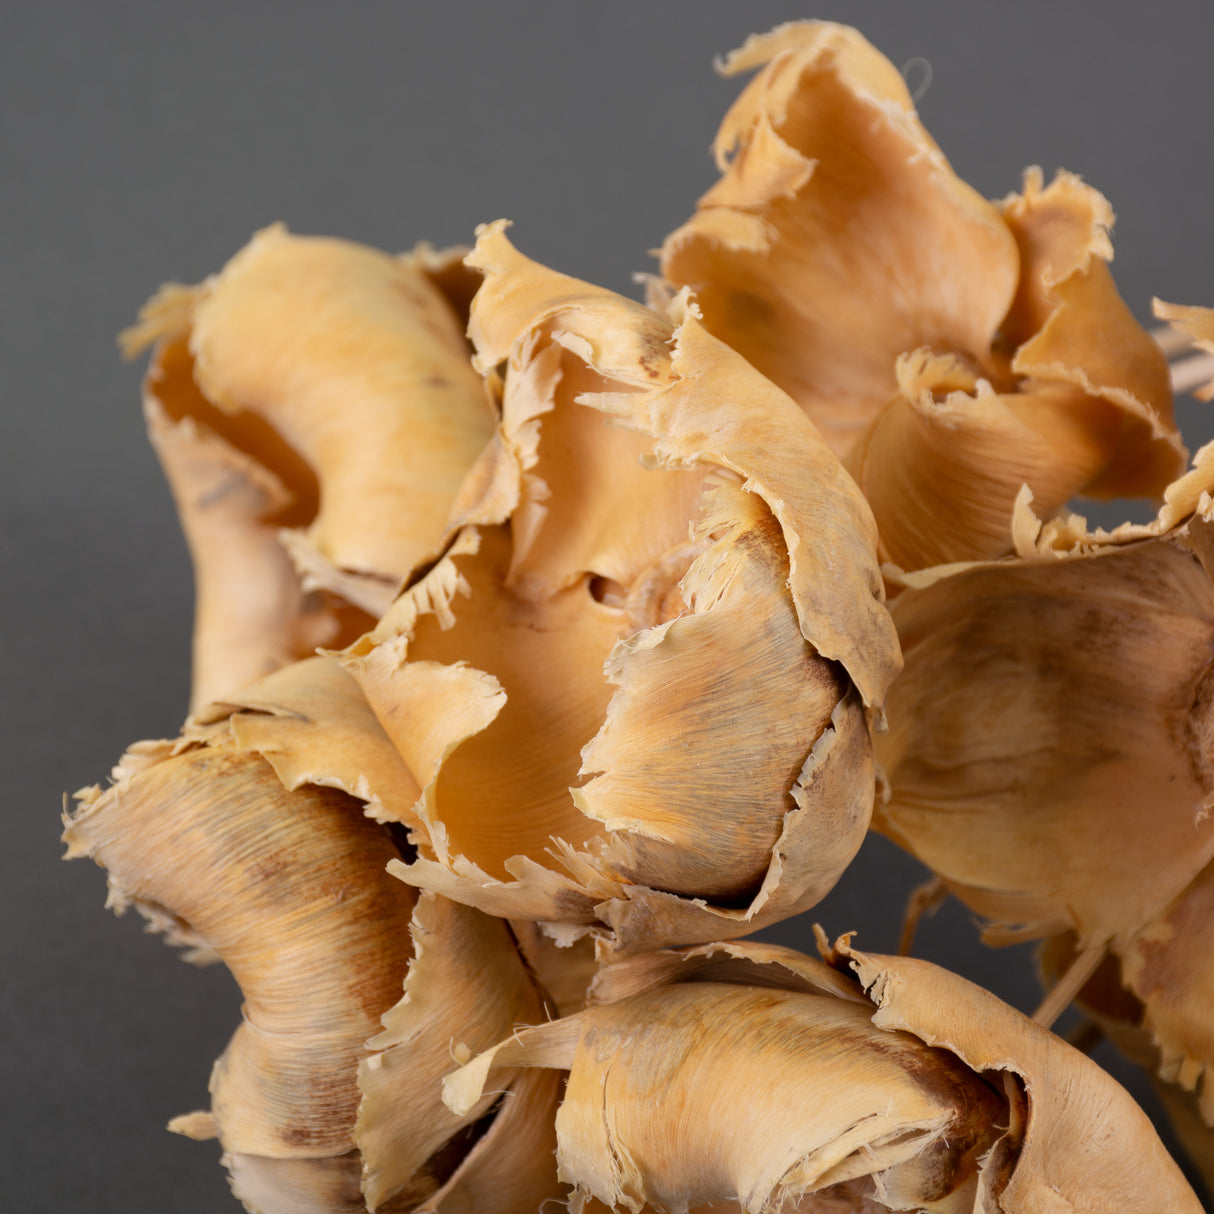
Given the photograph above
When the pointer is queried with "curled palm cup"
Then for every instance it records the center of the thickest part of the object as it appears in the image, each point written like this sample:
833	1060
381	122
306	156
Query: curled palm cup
886	1084
1050	752
315	410
949	349
634	690
328	1095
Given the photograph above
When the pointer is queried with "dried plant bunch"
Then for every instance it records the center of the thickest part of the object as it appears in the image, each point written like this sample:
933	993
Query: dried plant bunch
315	409
1049	752
948	348
887	1083
328	1096
651	503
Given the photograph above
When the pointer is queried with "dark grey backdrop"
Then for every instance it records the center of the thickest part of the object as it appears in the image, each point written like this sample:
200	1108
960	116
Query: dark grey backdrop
141	142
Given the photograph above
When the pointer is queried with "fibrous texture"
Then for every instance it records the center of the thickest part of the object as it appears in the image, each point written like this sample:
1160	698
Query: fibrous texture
907	1089
634	689
315	410
355	989
542	651
1050	750
949	349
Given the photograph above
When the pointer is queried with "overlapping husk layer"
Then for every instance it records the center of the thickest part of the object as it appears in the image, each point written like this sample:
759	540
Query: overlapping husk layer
602	588
1049	752
653	508
949	349
328	1097
887	1084
315	410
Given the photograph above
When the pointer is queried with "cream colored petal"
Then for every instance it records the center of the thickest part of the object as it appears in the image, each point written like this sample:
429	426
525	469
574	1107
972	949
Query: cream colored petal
467	987
833	797
742	962
512	1169
643	1120
1040	756
1167	965
565	972
703	406
354	363
313	725
497	776
943	464
295	1186
819	254
1072	327
251	614
1086	1145
289	890
681	817
1118	1014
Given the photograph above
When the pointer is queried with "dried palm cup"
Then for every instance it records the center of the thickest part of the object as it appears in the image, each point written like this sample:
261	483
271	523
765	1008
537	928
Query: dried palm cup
1049	756
652	507
315	410
328	1095
948	348
748	1073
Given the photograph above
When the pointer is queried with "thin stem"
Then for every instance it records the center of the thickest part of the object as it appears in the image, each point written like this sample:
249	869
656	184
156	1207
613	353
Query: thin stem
1069	985
923	899
1194	372
1171	341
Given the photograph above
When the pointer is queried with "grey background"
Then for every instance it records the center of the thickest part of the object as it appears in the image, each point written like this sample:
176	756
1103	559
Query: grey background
141	142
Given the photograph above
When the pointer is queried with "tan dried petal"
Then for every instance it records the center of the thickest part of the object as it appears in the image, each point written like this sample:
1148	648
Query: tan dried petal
913	1089
1119	1015
1086	1145
344	374
950	350
818	255
1069	326
1050	754
1044	707
251	613
312	724
1167	966
467	986
289	890
943	463
1197	324
707	552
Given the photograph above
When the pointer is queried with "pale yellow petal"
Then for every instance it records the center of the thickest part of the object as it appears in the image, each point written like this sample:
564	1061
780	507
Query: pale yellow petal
819	253
467	987
1039	754
289	890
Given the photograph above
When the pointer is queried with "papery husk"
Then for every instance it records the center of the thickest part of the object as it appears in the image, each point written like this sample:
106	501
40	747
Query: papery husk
564	969
312	724
288	889
251	613
467	982
1049	755
467	987
948	348
315	410
909	1089
651	503
1043	708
